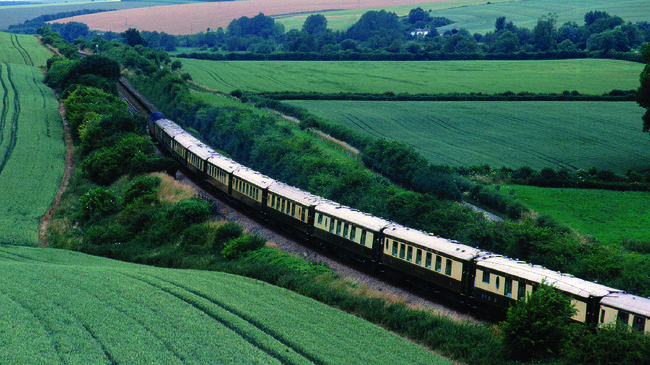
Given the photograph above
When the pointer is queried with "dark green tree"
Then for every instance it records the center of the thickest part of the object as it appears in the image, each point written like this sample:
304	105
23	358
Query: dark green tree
315	24
544	33
643	93
132	37
538	326
74	30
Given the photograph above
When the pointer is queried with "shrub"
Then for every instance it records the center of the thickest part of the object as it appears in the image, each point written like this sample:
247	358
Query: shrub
225	233
237	247
188	212
98	203
615	343
140	187
538	326
196	237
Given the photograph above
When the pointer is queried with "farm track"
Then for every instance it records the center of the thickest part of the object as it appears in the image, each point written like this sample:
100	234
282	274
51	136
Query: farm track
13	133
21	50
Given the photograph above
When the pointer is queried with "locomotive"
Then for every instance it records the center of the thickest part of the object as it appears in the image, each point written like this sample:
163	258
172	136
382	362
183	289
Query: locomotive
427	260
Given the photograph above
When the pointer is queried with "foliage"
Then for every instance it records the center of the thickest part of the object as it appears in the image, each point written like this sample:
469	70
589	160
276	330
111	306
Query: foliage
643	93
239	246
538	326
97	203
615	343
141	186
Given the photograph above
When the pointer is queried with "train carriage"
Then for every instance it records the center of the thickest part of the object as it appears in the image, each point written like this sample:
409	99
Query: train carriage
627	308
428	258
165	130
197	155
180	144
218	173
249	188
350	231
500	281
291	206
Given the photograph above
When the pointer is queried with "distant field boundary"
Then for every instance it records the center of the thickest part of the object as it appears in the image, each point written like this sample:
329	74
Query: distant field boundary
614	96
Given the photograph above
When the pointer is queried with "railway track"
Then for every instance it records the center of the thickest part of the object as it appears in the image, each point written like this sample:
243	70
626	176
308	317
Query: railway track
403	292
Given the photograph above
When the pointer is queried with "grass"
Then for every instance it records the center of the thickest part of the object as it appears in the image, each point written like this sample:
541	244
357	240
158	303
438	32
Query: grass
588	76
479	16
569	135
609	216
32	152
65	307
22	50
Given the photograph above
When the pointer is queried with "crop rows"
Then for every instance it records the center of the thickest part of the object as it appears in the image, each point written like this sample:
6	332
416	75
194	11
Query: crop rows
587	76
66	307
22	50
568	135
32	152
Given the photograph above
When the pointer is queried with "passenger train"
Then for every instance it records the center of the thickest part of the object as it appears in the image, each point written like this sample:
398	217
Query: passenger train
425	259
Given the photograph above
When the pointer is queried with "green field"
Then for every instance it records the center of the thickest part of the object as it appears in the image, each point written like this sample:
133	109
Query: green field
609	216
22	50
59	307
588	76
32	152
558	134
479	16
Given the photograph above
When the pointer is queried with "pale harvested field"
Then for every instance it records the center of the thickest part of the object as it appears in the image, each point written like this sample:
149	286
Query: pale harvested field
195	18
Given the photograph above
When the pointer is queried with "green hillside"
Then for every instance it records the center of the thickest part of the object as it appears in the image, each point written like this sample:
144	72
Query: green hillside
479	16
22	50
569	135
587	76
32	152
63	307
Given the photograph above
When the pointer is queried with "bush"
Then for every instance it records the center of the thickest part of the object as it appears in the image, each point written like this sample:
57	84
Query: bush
196	238
615	343
188	212
97	203
225	233
142	186
237	247
538	326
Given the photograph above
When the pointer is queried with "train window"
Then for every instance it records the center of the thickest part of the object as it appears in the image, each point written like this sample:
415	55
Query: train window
438	263
363	237
508	287
303	214
602	316
353	232
395	248
639	323
418	257
498	282
345	230
486	277
320	218
338	228
623	316
409	253
448	267
293	210
521	291
427	261
331	225
402	250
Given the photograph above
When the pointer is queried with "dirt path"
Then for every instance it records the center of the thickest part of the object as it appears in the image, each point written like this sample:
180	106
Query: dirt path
67	173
